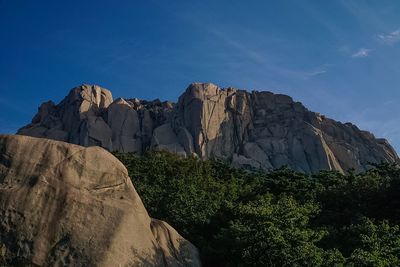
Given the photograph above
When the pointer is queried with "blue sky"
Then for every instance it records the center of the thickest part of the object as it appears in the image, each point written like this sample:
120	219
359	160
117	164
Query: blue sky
340	58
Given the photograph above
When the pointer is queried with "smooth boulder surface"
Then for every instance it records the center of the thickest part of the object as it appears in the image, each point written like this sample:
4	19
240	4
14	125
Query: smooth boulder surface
255	129
67	205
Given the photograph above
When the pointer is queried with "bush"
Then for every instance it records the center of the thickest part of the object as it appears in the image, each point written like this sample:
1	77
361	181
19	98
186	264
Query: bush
281	218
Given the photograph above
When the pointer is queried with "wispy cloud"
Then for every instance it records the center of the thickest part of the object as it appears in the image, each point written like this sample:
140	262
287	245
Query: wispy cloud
316	73
390	38
362	52
367	17
320	70
266	60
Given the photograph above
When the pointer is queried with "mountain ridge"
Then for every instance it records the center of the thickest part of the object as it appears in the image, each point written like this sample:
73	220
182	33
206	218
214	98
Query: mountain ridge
258	129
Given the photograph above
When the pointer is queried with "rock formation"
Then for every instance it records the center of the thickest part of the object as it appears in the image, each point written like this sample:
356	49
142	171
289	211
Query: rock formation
67	205
255	129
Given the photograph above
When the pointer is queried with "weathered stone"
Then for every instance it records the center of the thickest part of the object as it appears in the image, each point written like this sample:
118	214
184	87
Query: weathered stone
186	140
164	138
125	127
242	161
202	110
94	131
171	242
258	128
44	111
253	151
67	205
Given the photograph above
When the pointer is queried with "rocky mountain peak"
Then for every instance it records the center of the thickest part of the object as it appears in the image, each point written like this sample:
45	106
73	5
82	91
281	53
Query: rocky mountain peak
254	129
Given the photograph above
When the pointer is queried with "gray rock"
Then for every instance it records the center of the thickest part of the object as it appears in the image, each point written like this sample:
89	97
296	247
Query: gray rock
186	140
242	161
253	151
259	129
125	127
164	138
94	131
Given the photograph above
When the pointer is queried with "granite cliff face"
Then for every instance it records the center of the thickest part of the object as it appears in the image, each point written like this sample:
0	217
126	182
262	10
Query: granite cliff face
256	129
67	205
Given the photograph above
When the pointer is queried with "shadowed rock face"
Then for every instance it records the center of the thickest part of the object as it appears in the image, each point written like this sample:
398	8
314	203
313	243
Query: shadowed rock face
67	205
256	129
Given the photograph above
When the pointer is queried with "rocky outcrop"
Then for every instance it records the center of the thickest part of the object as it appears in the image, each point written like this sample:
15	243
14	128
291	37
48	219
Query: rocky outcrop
254	129
67	205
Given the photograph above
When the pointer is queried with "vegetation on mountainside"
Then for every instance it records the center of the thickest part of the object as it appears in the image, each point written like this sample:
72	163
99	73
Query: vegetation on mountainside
281	218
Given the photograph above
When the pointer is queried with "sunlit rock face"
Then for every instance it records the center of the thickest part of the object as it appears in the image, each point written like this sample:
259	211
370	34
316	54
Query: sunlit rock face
252	129
67	205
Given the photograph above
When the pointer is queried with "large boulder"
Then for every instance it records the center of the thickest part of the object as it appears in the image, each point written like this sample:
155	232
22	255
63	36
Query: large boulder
67	205
254	129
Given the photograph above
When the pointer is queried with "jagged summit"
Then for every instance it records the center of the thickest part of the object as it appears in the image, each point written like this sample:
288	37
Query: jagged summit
257	129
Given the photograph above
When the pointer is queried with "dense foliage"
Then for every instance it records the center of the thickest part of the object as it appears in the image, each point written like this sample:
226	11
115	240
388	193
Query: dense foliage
281	218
